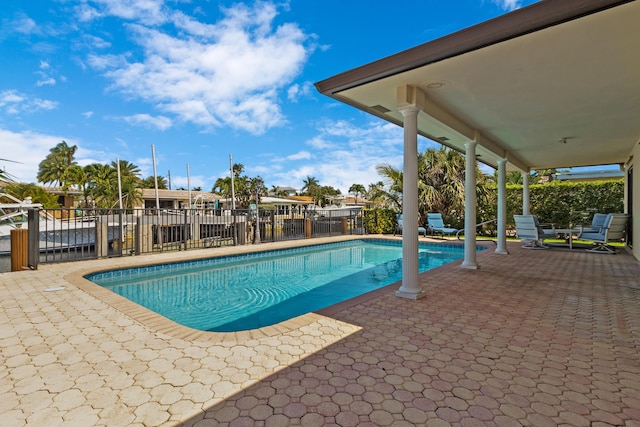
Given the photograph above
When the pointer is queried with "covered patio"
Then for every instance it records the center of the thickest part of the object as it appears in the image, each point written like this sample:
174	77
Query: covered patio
552	85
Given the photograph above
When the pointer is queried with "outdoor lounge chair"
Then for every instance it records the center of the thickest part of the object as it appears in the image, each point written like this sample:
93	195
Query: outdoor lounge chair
436	225
613	230
596	223
398	229
528	229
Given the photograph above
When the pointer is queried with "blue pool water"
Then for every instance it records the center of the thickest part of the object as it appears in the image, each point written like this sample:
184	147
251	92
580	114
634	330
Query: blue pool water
241	292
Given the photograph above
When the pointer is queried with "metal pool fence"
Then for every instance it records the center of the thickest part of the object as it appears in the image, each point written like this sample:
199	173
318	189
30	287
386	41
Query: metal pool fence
58	235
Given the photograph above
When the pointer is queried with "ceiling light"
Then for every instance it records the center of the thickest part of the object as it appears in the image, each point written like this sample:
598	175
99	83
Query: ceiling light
439	84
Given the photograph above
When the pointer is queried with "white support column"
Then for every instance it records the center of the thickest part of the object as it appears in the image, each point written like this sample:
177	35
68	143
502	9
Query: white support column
525	193
502	207
470	207
410	287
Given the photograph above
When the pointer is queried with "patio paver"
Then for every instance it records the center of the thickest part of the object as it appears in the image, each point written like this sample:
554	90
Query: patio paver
531	338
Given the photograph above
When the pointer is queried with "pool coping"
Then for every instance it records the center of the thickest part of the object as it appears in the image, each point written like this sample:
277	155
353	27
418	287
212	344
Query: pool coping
163	325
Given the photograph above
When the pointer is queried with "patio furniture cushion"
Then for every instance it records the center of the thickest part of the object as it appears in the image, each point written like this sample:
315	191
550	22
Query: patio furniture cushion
398	228
529	229
436	224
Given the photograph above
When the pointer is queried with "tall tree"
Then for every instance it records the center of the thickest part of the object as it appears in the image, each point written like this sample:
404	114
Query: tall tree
257	188
150	182
277	191
37	194
237	170
357	189
321	197
377	194
309	183
393	176
312	188
128	171
222	186
102	184
441	178
53	169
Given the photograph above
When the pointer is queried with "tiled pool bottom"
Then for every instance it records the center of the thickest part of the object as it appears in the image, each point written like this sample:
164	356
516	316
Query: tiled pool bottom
250	291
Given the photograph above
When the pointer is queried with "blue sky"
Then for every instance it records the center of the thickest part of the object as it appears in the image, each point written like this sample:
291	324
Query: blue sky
200	80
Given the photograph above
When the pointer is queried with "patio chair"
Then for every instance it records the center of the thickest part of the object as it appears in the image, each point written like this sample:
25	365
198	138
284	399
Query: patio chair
398	228
613	230
528	229
596	223
436	225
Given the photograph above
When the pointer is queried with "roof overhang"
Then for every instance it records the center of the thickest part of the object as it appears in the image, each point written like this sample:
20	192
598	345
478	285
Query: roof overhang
555	84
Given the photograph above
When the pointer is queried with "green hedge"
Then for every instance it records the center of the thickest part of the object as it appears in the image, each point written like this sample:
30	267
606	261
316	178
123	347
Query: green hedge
379	221
561	203
564	203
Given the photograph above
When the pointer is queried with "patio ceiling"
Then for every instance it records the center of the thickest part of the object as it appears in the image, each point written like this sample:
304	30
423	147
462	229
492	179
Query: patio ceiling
555	84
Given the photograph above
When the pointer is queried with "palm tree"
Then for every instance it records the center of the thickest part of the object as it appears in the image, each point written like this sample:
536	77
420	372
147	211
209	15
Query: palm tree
131	194
150	182
322	194
277	191
128	171
53	169
237	170
441	187
378	195
357	189
256	185
103	185
222	186
37	194
394	178
309	183
441	178
312	188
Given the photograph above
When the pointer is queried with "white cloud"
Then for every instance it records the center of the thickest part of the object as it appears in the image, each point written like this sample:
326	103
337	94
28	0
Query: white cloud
211	75
344	154
508	5
296	91
28	149
319	142
85	12
158	122
96	42
24	25
300	155
103	62
42	104
147	11
15	103
46	81
180	181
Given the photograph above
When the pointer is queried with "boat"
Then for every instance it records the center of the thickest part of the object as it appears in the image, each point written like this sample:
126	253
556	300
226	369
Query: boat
54	234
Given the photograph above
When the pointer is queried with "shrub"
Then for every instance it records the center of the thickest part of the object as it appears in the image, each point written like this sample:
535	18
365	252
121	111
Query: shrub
379	220
565	203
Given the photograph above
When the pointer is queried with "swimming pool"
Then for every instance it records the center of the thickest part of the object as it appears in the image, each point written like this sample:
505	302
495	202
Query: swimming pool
249	291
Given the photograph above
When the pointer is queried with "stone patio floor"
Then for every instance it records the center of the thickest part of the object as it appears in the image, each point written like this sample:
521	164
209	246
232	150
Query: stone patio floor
533	338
